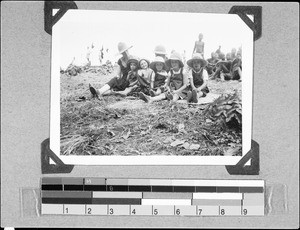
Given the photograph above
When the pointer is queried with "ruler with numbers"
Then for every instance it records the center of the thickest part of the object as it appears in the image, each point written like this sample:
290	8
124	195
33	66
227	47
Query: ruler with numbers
162	197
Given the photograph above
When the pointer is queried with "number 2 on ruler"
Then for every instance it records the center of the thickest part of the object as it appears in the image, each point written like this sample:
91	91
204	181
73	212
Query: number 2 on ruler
89	211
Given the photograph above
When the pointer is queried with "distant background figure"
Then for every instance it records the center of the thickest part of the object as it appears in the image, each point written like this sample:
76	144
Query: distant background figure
101	55
211	65
199	46
160	51
88	54
233	53
221	56
184	57
218	51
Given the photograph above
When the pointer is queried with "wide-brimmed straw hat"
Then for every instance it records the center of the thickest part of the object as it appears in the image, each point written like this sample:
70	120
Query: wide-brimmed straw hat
160	49
196	56
122	47
133	59
175	56
157	60
144	60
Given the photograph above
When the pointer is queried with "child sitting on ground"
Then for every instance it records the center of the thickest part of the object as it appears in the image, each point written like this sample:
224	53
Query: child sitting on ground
131	79
211	63
198	78
176	83
145	77
159	67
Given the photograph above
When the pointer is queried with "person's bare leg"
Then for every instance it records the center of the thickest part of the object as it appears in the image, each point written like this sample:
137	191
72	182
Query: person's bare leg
108	92
240	73
103	90
149	99
216	74
199	94
175	97
158	92
124	92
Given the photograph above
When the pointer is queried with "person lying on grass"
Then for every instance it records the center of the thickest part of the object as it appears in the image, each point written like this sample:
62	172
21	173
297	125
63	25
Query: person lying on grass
176	83
118	83
198	78
132	80
159	67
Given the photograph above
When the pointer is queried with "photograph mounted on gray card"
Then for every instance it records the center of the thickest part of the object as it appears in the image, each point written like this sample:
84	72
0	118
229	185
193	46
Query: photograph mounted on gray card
161	88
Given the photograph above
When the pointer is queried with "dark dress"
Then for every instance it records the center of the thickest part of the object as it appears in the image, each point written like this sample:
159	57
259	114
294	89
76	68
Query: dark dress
198	81
176	82
120	84
159	80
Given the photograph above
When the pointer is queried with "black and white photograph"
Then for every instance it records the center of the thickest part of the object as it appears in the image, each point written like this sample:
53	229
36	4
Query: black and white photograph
151	88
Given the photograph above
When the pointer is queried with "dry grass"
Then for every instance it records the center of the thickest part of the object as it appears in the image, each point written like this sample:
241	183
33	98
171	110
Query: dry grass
122	126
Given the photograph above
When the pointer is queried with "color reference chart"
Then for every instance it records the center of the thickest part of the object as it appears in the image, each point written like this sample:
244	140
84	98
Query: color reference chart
162	197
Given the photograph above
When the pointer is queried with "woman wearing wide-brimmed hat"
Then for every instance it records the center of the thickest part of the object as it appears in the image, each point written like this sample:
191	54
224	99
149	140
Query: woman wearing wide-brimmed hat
177	81
119	82
198	78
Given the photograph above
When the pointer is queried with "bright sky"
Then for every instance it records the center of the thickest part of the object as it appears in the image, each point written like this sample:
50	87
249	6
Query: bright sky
78	29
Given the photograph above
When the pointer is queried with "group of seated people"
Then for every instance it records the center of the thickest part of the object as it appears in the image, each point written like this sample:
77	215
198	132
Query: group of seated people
165	78
225	68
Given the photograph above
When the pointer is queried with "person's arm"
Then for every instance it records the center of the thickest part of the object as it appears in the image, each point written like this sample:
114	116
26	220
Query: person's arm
129	75
191	79
152	78
225	68
194	47
167	85
118	71
133	83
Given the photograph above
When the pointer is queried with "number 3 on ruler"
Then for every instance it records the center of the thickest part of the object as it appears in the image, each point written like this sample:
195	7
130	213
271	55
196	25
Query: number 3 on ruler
111	211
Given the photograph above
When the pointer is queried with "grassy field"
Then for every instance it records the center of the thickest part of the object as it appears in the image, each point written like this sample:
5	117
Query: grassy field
129	126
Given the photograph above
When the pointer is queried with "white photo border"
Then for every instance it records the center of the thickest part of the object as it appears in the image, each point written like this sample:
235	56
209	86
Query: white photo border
247	96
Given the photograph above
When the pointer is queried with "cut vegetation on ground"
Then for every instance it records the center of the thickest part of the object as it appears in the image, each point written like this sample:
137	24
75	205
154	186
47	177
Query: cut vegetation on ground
129	126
